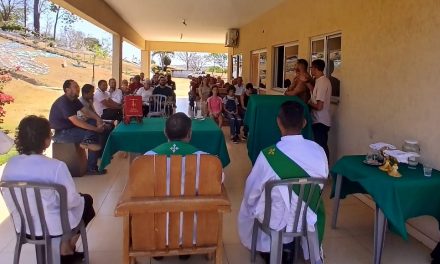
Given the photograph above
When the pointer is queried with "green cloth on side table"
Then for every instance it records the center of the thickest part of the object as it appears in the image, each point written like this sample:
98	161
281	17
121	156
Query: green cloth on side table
140	138
261	118
402	198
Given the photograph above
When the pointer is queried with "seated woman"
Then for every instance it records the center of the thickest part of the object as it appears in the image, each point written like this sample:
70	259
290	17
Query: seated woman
215	106
32	138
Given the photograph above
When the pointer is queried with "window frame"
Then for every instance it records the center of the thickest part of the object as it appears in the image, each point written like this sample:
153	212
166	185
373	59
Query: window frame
259	52
275	62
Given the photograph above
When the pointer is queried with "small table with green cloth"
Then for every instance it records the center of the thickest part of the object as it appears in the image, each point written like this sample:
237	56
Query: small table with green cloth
140	138
397	199
261	119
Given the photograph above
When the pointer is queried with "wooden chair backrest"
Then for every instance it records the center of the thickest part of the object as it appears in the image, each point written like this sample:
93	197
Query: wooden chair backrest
156	178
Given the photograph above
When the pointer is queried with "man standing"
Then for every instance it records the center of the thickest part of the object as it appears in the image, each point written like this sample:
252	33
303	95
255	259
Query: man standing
239	88
299	87
105	107
320	105
291	154
71	129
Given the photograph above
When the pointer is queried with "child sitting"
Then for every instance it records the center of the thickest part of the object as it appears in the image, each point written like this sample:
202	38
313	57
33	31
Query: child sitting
231	109
215	106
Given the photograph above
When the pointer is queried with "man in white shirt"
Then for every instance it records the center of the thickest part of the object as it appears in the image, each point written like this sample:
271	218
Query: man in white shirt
239	88
145	92
104	106
301	153
32	166
115	93
320	105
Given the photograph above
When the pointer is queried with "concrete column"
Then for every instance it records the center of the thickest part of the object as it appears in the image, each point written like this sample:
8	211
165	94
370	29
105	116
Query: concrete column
145	62
229	73
117	59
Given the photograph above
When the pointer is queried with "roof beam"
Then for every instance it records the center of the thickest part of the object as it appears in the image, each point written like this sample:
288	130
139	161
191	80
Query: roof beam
185	46
101	14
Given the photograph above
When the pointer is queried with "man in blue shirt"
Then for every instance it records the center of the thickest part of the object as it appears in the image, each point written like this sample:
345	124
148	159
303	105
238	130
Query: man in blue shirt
71	129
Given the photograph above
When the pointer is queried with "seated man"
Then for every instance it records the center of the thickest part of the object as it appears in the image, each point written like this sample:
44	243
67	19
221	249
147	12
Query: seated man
71	129
32	166
115	94
146	93
294	153
164	89
178	132
104	106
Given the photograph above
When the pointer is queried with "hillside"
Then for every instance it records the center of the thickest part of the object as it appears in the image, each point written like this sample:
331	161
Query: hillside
35	93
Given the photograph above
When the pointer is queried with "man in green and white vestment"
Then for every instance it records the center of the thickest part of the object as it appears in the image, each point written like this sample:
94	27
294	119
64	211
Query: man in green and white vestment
178	132
292	157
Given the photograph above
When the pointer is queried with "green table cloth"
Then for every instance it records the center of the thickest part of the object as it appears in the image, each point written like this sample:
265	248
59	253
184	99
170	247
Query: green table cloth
140	138
402	198
261	118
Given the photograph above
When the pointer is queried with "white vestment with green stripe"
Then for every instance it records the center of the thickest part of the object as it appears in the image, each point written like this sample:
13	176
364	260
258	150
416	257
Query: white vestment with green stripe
310	157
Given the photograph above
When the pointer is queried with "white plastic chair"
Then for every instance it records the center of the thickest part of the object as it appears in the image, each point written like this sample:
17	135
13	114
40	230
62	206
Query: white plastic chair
307	189
47	247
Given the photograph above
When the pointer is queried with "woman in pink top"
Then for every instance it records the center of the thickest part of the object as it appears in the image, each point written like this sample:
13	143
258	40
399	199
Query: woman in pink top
215	106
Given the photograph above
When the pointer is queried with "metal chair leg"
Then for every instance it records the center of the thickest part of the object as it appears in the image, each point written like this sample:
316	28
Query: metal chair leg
53	252
276	247
41	254
84	242
254	241
17	251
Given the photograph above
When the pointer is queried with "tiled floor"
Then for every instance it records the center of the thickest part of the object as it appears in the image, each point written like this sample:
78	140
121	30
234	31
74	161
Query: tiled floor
351	243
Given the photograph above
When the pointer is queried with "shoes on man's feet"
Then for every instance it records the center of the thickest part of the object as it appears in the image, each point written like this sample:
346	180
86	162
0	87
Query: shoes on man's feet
87	144
184	257
96	172
244	137
76	257
235	140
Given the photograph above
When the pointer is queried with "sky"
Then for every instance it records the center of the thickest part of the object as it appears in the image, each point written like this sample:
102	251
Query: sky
129	52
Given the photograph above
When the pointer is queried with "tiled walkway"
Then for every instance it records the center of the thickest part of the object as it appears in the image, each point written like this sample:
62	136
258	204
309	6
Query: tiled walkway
351	243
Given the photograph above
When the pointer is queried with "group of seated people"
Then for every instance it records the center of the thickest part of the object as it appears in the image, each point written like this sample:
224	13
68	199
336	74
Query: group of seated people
34	136
81	120
208	93
89	119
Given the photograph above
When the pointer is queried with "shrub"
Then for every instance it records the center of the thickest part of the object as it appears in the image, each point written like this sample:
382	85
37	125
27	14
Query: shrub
4	98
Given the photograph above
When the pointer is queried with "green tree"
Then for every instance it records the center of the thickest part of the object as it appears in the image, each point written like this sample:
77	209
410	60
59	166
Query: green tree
166	62
67	17
220	59
9	9
161	55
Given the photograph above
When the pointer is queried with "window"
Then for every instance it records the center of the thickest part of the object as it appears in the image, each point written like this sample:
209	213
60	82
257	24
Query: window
237	62
328	48
258	68
285	58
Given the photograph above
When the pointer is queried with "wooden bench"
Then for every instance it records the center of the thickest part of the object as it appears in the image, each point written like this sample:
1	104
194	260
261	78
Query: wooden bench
73	155
194	213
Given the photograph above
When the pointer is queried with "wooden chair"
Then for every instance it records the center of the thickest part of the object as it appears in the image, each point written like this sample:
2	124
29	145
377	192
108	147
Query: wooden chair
173	206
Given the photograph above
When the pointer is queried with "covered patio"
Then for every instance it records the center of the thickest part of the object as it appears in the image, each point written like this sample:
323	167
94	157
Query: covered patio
388	81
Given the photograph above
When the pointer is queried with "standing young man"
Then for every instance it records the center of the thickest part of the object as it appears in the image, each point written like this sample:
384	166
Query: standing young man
320	105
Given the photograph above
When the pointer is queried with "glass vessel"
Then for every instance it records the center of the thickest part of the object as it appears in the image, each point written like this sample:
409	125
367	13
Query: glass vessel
413	147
